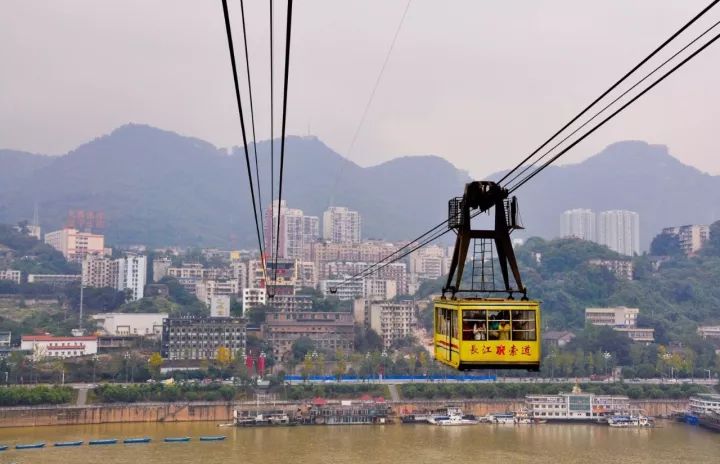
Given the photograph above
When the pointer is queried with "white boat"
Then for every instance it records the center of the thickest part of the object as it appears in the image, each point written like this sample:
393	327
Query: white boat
624	421
454	419
504	418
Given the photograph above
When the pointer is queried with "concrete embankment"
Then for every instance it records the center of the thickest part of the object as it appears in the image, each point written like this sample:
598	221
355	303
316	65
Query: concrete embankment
223	411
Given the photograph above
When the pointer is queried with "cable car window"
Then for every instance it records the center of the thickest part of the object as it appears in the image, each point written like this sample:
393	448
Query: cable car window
446	322
523	325
498	325
474	325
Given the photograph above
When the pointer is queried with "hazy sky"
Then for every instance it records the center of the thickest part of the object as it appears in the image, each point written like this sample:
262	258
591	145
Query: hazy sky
480	83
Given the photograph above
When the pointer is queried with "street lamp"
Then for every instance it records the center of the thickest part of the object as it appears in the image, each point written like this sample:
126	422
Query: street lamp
95	360
606	355
127	360
708	371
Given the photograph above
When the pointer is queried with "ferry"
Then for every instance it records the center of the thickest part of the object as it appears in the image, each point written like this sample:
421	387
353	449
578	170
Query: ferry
454	419
710	421
575	407
702	406
272	419
625	421
504	418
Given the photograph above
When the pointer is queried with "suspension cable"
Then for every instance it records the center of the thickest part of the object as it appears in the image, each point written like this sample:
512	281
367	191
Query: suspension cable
231	49
612	87
282	134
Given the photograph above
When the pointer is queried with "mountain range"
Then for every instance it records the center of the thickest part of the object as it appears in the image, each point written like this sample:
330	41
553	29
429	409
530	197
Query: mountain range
160	188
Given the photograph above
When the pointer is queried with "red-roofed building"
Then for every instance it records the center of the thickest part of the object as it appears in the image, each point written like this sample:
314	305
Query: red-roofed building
48	346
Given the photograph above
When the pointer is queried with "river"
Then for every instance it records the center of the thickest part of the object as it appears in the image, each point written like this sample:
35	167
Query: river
399	444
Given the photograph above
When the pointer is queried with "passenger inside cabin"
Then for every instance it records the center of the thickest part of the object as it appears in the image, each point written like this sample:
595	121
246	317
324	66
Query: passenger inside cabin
493	328
479	332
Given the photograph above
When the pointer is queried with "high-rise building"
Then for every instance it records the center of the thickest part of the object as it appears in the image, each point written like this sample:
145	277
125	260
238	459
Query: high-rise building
578	223
341	225
100	271
619	230
160	268
690	237
294	228
392	321
201	338
132	271
75	245
206	290
311	229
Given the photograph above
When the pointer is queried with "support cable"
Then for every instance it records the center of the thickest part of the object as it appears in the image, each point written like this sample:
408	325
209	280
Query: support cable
282	134
231	49
612	87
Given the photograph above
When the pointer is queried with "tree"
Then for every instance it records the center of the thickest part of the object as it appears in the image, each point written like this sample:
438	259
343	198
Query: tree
223	357
301	347
155	363
340	365
666	245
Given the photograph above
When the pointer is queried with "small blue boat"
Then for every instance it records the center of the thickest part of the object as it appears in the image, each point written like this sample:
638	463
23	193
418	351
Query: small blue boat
30	446
137	440
3	447
104	441
212	438
68	443
176	439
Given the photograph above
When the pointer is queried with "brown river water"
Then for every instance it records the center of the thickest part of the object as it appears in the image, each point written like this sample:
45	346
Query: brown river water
359	444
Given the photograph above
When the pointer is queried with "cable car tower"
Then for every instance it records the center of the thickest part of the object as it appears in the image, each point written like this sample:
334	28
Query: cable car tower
481	196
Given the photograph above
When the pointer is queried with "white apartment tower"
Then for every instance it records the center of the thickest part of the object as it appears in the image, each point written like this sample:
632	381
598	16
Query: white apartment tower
132	270
341	225
578	223
619	230
294	228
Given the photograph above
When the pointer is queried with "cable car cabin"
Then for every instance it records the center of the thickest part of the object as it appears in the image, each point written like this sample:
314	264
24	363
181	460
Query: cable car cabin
487	333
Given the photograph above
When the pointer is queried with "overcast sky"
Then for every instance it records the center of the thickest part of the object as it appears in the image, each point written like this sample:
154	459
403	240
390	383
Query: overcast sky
480	83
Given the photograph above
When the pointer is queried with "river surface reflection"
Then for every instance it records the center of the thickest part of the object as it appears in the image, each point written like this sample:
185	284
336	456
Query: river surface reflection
399	444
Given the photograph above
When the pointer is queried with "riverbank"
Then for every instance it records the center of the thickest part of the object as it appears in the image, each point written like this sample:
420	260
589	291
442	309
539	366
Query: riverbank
222	411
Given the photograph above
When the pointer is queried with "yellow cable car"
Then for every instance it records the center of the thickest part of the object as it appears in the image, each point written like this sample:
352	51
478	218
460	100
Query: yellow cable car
487	333
475	333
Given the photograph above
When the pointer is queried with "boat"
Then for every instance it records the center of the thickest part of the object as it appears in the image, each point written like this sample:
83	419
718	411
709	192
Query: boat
103	441
68	443
523	417
3	447
504	418
176	439
137	440
415	418
455	419
212	438
244	419
575	406
710	420
625	421
30	446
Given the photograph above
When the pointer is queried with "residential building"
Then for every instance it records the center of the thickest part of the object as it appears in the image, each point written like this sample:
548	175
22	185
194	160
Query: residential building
328	330
622	268
293	230
311	229
292	303
132	273
253	297
578	223
200	338
380	289
205	290
341	225
558	338
637	334
691	237
220	306
239	272
614	317
48	346
619	230
10	274
133	324
392	321
711	331
54	280
430	262
75	245
160	266
5	339
341	289
100	271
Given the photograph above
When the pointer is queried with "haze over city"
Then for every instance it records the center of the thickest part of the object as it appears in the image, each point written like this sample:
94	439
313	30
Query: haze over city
480	84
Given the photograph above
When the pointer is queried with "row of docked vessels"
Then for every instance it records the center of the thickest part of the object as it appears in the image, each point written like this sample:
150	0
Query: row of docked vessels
320	412
454	416
703	410
110	441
